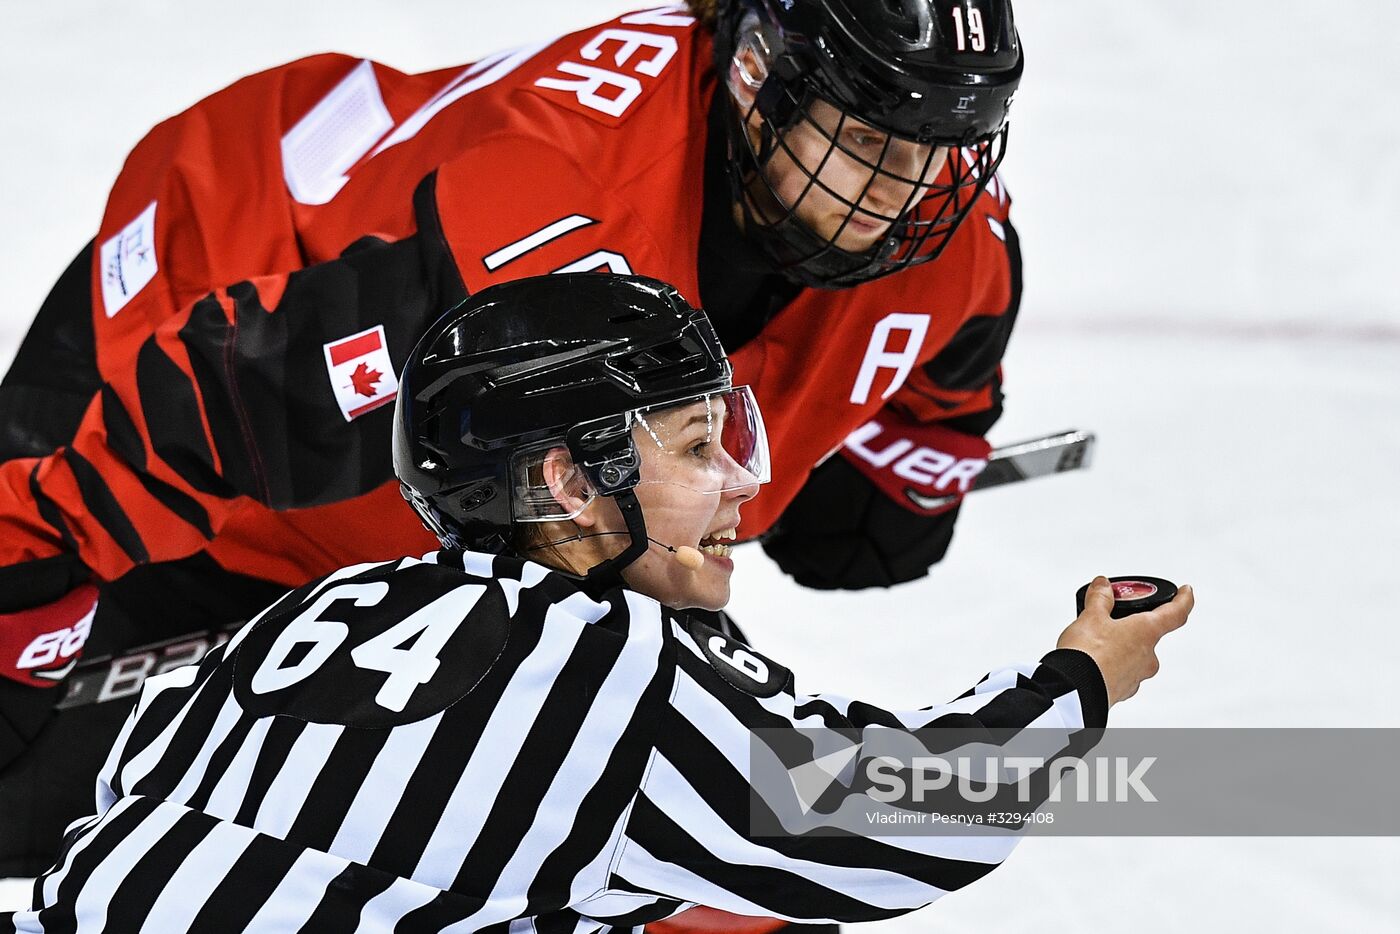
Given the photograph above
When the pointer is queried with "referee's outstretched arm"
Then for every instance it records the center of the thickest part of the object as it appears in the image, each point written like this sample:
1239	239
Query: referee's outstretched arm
687	836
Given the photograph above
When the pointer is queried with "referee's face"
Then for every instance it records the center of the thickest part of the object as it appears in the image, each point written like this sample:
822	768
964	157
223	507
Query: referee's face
690	492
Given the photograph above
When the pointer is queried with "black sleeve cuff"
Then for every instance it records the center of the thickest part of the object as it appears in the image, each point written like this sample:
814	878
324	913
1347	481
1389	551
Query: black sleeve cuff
1083	672
33	583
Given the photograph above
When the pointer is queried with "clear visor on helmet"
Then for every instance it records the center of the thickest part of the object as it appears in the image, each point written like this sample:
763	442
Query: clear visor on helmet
711	443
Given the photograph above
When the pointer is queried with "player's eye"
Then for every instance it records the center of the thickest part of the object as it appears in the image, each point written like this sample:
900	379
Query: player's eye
865	138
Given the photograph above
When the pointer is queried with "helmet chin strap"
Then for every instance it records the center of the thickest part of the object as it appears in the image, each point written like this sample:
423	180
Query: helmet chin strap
611	570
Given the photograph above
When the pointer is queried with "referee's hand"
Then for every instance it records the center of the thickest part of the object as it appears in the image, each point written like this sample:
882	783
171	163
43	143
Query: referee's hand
1125	649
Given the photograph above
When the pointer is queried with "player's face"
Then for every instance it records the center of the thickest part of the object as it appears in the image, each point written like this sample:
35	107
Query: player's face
845	180
690	492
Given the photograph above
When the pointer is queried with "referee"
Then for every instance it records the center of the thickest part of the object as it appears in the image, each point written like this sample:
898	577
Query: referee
522	732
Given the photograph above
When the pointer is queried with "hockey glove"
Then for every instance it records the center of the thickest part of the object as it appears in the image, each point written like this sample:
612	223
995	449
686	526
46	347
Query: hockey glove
880	512
40	646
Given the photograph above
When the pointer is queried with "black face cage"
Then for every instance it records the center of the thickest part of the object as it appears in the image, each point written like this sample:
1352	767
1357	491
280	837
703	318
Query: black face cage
919	225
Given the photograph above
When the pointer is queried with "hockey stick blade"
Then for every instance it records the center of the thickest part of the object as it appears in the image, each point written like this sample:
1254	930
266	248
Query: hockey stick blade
1025	460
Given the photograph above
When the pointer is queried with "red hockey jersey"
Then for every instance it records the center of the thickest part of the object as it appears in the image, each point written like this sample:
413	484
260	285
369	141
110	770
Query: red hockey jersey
227	418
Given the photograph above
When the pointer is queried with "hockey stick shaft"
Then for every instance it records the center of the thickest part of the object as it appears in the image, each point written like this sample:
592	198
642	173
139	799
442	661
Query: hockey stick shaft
1024	460
1038	457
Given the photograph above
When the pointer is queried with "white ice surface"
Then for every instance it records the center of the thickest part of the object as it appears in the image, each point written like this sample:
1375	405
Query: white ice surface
1209	202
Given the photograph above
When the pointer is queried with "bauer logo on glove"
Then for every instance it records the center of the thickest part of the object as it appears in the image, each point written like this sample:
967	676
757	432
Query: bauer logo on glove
40	646
925	468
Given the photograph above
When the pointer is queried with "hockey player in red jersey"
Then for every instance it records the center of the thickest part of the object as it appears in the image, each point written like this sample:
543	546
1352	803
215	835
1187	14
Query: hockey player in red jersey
818	174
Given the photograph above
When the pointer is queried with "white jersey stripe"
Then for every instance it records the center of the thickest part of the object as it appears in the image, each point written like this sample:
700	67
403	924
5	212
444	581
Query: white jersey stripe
298	894
669	790
588	755
106	797
480	783
227	796
223	724
384	911
141	764
383	789
288	791
53	881
191	885
90	908
646	871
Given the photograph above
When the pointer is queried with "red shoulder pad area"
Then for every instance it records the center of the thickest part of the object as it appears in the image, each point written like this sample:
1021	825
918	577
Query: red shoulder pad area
616	69
515	207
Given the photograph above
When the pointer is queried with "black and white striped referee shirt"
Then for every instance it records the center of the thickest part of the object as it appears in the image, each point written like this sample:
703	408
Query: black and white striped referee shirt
470	742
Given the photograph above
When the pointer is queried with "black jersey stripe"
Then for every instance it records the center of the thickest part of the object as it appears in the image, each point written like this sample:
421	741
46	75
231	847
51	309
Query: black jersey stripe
362	824
446	908
125	441
653	908
157	715
209	338
246	887
426	796
180	505
610	794
171	409
514	712
87	854
558	922
220	760
550	739
778	890
971	358
345	898
133	898
49	511
186	738
45	890
122	436
336	787
102	505
282	734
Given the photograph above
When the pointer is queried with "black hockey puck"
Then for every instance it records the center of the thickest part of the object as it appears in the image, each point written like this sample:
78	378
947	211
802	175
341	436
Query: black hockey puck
1132	595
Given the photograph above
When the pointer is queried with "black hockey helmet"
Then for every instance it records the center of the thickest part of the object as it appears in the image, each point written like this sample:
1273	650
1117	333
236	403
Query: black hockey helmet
562	360
933	78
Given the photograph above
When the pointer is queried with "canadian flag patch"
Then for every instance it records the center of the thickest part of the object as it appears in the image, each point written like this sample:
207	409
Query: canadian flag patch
362	376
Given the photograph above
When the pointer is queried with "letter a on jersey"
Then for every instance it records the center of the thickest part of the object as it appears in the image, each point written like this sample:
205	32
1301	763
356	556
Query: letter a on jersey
361	373
878	355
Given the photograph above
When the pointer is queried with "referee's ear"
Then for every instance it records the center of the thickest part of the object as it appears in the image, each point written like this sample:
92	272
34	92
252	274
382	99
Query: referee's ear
567	485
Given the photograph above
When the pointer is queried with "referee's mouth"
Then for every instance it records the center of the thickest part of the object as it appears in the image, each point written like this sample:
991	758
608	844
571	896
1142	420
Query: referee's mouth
714	543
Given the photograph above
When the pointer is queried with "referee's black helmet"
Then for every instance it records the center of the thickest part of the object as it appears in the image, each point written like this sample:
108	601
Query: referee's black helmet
551	360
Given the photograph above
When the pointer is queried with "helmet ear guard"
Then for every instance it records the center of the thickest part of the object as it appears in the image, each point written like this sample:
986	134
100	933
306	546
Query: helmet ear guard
606	453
